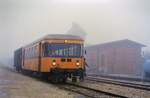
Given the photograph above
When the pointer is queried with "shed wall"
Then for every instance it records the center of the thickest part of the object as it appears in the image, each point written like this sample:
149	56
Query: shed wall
115	60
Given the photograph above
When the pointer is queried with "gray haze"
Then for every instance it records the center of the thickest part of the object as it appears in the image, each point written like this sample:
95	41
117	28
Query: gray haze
23	21
76	29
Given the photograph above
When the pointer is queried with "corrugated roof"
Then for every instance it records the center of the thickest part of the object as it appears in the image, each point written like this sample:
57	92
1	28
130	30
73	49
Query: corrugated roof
117	43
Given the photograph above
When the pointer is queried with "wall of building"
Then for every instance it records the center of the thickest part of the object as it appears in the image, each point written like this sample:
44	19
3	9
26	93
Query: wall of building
115	60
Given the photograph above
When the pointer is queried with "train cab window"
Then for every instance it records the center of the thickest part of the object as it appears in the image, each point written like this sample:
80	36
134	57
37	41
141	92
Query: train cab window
63	50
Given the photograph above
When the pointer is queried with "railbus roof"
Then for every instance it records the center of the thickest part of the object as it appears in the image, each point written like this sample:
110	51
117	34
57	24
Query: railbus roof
57	37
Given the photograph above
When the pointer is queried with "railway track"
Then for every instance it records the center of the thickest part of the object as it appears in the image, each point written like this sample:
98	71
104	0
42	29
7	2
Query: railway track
88	92
119	82
146	80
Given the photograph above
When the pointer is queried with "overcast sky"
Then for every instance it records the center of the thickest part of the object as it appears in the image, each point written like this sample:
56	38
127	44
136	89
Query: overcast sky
23	21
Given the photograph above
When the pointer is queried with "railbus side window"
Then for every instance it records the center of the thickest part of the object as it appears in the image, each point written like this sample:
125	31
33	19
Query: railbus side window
45	47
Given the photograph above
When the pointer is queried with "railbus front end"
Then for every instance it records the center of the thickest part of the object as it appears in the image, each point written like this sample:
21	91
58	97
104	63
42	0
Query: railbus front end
65	60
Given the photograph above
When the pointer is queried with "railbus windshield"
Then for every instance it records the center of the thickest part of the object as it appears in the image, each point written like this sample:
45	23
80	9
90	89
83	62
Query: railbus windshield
63	50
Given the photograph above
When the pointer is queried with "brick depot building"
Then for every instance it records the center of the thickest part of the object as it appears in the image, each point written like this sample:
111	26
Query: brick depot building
118	57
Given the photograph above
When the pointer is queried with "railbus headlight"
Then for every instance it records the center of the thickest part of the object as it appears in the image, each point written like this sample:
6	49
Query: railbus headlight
77	63
54	63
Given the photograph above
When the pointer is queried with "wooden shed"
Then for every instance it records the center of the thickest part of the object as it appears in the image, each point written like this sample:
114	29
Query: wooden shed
118	57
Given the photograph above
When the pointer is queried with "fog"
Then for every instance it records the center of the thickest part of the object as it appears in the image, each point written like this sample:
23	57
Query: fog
23	21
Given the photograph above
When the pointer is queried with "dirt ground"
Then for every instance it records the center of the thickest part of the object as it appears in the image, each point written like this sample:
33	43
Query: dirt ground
15	85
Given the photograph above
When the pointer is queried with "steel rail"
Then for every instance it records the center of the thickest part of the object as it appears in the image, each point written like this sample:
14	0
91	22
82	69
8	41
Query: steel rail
146	80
